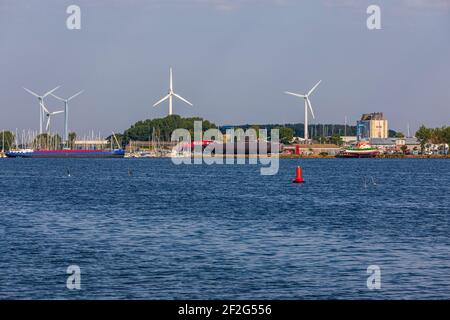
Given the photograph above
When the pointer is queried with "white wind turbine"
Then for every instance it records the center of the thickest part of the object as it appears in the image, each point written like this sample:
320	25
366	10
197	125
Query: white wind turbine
307	104
170	96
66	113
41	105
49	117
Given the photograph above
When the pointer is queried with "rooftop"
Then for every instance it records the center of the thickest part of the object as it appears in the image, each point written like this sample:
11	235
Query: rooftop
373	116
392	141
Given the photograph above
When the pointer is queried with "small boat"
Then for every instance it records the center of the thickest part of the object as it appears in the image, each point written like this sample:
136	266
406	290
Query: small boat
362	150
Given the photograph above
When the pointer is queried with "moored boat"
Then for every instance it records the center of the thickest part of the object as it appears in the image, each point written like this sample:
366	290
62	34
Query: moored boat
362	150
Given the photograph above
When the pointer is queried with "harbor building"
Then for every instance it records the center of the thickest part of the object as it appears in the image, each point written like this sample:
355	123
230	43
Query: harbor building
396	145
372	125
347	140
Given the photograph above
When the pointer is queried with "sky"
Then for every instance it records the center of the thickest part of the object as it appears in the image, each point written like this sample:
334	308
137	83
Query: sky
232	59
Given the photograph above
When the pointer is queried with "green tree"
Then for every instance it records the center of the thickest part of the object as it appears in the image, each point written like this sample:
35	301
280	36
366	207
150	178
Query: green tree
56	141
423	134
163	127
399	135
72	139
238	134
446	135
336	139
391	133
285	134
404	148
438	135
322	139
120	140
8	138
256	128
41	141
46	141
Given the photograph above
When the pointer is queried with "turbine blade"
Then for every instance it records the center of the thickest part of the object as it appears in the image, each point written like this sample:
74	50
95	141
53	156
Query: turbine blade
171	80
295	94
183	99
48	123
314	88
34	94
310	107
162	100
44	108
57	112
56	97
51	91
75	95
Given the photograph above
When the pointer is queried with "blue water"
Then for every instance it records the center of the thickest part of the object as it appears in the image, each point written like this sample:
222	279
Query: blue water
210	232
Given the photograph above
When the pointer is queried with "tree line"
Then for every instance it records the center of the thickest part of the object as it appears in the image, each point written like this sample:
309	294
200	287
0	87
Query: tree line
41	141
161	128
433	136
6	140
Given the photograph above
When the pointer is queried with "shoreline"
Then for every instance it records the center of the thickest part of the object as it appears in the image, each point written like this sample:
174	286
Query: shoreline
376	157
299	156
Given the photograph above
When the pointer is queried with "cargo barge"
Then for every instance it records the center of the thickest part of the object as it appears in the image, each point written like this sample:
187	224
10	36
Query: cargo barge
65	153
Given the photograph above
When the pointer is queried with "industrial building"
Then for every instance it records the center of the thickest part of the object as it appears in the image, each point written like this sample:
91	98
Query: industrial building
372	125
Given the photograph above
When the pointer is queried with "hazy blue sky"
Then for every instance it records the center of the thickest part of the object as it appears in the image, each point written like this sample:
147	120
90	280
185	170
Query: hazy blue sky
232	59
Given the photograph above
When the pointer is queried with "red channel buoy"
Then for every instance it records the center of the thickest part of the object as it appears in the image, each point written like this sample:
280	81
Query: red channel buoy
298	176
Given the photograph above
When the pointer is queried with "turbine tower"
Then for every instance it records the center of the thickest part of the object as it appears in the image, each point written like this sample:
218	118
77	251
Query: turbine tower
41	105
49	116
307	105
66	113
170	96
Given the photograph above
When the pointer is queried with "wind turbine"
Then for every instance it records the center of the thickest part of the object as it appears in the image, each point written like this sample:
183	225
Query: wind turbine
170	96
66	113
49	116
307	104
41	105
